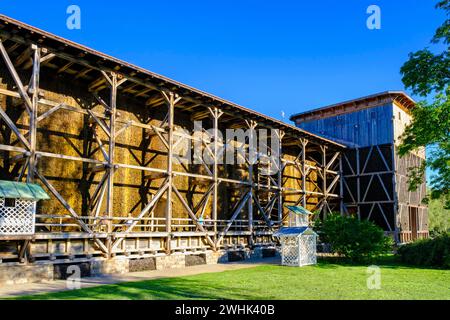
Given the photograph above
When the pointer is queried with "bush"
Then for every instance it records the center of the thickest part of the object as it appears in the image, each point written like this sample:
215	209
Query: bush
429	252
355	239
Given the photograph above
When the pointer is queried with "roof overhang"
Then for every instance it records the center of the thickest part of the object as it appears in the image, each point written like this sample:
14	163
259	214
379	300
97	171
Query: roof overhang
293	232
400	98
19	32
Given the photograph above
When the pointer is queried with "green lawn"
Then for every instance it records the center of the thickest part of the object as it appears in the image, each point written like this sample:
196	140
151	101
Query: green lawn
324	281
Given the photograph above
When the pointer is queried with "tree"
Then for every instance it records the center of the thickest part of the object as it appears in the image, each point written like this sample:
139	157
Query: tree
427	74
439	218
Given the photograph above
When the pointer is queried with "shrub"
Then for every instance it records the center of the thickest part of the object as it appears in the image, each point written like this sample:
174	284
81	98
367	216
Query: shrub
355	239
428	252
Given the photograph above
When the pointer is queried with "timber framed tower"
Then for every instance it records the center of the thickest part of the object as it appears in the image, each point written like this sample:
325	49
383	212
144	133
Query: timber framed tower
375	178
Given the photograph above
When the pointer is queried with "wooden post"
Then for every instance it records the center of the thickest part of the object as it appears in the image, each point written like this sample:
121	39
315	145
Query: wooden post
395	195
171	100
280	135
34	90
358	184
110	188
341	186
251	126
304	143
169	173
112	110
324	181
216	113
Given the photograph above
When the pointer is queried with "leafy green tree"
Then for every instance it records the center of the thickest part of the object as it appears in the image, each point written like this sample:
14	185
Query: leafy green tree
427	74
439	218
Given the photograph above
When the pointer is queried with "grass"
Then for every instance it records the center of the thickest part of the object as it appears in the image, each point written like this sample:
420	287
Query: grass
327	280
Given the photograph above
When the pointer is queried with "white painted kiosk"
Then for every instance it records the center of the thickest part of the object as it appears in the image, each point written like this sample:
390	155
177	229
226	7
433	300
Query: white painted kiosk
298	240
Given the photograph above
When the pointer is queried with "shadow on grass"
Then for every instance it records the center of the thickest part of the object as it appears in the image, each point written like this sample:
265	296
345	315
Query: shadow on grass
161	289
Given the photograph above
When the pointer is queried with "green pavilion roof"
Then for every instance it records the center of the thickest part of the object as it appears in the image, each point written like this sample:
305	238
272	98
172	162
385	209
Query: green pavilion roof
21	190
299	210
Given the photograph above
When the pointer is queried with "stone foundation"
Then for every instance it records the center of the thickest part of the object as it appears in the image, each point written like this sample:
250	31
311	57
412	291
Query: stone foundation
195	259
144	264
26	273
16	274
173	261
116	265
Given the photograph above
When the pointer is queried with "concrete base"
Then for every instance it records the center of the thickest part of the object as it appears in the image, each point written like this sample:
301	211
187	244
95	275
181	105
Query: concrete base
37	272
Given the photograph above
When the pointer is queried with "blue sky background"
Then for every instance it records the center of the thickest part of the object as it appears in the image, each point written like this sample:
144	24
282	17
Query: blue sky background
270	56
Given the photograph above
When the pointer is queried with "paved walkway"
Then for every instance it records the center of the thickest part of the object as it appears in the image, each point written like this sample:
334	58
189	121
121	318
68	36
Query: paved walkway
60	285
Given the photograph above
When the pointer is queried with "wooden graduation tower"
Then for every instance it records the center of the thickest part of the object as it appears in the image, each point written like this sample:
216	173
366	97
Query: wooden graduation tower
103	137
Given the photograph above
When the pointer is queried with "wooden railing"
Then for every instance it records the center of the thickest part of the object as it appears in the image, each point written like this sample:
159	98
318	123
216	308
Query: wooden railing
60	223
407	236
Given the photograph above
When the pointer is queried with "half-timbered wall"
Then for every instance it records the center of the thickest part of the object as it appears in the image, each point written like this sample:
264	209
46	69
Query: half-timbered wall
368	185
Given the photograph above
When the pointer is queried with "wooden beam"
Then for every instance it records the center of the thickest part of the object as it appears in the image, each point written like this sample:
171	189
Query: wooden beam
16	78
65	67
13	127
83	73
26	54
193	217
240	205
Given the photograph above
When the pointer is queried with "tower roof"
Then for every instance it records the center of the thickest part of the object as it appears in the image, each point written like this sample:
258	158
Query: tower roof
400	98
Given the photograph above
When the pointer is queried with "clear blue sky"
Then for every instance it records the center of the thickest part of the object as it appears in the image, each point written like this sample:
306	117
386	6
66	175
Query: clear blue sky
265	55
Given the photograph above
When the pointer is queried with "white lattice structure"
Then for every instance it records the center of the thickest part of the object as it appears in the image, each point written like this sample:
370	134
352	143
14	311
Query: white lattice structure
298	241
18	219
298	246
18	207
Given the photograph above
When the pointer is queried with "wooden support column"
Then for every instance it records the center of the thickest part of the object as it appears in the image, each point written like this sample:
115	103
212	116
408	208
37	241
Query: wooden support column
216	114
251	126
304	142
112	143
395	195
169	172
114	82
324	181
34	90
280	135
171	100
358	184
341	186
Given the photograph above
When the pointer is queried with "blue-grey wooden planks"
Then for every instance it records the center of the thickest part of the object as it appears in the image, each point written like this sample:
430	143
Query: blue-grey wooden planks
364	128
